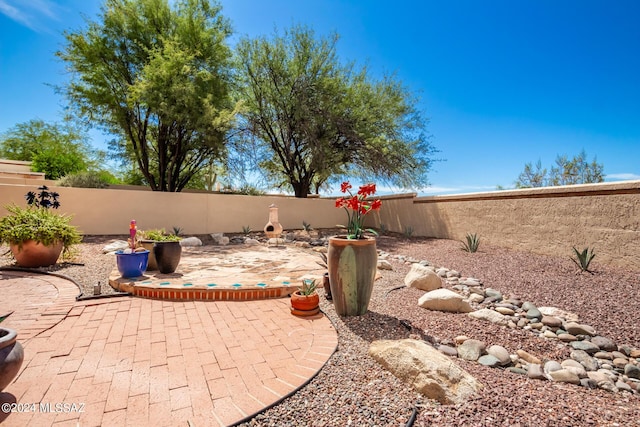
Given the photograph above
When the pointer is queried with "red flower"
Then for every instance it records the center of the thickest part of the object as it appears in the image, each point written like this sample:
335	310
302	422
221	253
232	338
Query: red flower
354	203
345	186
376	205
340	203
367	190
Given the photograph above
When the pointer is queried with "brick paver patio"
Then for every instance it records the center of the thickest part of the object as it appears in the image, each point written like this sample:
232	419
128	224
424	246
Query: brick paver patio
135	361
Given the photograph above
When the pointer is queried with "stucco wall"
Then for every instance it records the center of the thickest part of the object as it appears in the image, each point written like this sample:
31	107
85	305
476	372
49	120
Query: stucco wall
108	211
545	220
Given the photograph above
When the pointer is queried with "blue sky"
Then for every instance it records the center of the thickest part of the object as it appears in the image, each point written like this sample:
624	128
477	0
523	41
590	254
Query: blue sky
502	82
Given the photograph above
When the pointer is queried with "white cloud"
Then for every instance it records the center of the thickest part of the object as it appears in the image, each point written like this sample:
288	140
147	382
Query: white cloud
32	14
621	176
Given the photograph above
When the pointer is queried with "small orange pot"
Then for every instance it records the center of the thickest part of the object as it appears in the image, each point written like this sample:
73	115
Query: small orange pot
305	305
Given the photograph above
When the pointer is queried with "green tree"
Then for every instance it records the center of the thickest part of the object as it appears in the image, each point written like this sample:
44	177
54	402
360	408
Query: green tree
312	119
565	172
157	75
57	149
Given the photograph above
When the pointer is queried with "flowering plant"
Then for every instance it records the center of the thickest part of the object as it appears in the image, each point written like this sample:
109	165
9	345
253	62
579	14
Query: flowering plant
357	207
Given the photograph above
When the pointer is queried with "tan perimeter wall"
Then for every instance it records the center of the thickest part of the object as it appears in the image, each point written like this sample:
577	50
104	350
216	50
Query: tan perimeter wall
108	211
544	220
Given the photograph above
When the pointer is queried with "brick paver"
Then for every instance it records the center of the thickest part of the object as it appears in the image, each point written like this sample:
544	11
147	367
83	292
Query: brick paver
133	361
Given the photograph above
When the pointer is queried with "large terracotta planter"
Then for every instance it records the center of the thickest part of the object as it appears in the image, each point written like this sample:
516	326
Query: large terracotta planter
33	254
167	256
151	262
11	356
352	271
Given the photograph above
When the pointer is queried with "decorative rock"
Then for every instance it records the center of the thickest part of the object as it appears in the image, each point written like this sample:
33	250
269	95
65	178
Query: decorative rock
534	313
522	323
623	386
535	372
635	353
618	355
620	362
478	291
608	386
551	366
599	377
500	353
423	278
219	239
567	337
526	306
536	325
551	321
489	360
577	329
460	339
493	293
471	349
301	244
528	357
471	282
489	315
585	346
442	272
574	367
475	298
252	242
556	312
428	371
444	300
116	245
564	376
275	241
588	383
585	360
517	370
632	371
603	355
383	264
452	273
190	241
604	343
506	311
549	334
448	350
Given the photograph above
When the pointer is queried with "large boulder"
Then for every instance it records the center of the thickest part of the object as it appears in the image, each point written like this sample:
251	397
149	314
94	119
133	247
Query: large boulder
425	369
444	300
422	277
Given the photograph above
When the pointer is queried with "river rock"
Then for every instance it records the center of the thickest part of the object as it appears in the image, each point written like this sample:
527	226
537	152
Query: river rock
383	264
564	376
444	300
505	310
589	363
448	350
551	366
471	349
528	357
426	370
489	315
577	329
533	313
421	277
557	312
585	346
632	371
604	343
567	337
500	353
475	298
552	322
219	239
535	372
489	360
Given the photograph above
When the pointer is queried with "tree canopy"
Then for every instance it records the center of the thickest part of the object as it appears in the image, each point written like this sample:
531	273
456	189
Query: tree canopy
57	149
156	74
565	172
312	119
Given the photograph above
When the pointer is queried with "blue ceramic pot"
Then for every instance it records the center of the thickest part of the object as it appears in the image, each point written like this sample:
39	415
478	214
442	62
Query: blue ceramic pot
133	264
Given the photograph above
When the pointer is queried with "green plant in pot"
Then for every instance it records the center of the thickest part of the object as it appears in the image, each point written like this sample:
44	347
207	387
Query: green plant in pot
305	301
165	247
36	234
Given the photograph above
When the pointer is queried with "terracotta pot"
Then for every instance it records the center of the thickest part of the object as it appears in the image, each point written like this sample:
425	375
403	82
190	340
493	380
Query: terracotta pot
352	270
31	253
11	356
167	256
305	305
151	262
326	285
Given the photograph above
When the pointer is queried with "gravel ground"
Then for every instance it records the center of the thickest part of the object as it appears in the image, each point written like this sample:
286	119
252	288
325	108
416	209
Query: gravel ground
352	389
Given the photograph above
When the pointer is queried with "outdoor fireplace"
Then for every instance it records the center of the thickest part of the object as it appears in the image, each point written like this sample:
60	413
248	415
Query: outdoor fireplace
273	229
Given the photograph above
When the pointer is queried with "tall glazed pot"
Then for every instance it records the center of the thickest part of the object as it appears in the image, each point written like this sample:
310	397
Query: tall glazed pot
352	270
167	256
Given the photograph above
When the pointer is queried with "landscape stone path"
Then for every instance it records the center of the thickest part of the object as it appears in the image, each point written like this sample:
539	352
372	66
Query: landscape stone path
142	362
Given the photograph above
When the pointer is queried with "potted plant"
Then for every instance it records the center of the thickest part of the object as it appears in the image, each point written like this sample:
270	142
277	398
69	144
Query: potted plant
352	258
11	355
166	249
35	234
305	301
131	262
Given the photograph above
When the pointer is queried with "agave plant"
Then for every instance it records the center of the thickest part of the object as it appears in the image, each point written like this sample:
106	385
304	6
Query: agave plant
472	243
308	287
583	259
